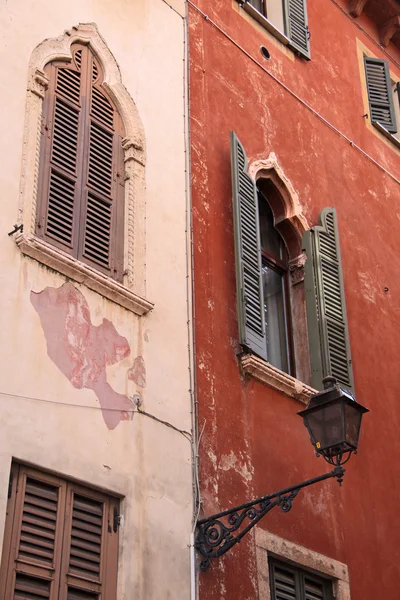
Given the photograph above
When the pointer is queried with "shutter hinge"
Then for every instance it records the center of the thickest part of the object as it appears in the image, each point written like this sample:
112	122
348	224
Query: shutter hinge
10	484
118	520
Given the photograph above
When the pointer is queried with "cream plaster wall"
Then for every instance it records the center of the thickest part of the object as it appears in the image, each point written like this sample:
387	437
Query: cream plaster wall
45	420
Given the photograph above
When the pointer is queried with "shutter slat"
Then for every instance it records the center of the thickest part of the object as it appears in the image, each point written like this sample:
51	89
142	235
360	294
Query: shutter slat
325	301
297	25
101	108
87	518
247	253
30	588
380	93
97	231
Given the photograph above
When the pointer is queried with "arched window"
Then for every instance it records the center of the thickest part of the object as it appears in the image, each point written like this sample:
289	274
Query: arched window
81	177
275	281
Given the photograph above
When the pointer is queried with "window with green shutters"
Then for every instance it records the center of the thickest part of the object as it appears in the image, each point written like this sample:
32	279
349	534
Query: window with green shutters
288	17
261	269
328	334
380	93
291	583
81	175
265	293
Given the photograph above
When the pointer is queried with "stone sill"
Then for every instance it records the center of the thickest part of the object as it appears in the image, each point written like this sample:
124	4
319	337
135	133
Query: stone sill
74	269
386	133
276	379
264	22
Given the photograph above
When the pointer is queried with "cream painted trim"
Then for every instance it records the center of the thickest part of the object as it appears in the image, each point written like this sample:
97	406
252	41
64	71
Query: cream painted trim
82	273
270	544
278	380
267	29
362	51
134	267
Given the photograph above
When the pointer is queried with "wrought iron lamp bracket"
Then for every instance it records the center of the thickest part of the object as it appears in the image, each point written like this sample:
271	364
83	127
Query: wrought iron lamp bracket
215	534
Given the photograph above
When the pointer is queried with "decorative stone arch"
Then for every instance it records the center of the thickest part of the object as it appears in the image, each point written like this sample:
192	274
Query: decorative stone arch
284	202
291	224
130	294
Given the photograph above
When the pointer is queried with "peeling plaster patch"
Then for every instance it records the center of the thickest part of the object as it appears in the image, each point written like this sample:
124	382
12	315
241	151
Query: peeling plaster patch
138	372
367	287
82	350
210	304
230	461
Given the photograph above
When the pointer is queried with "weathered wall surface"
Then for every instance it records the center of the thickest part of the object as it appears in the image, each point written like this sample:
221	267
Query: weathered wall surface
253	441
71	360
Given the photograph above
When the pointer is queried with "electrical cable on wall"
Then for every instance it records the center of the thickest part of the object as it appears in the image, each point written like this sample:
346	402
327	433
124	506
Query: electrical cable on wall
294	95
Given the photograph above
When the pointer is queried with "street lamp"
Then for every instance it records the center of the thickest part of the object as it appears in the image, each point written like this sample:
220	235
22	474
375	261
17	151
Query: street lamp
333	419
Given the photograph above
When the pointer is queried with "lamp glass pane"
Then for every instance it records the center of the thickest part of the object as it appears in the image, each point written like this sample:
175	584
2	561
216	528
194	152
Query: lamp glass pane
326	425
353	424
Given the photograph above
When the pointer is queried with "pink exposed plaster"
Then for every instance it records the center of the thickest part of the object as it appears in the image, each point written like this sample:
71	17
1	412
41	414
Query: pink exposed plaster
138	372
82	350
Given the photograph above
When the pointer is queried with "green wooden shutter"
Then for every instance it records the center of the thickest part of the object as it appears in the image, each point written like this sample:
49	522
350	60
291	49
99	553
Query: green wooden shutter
380	93
297	25
326	308
247	253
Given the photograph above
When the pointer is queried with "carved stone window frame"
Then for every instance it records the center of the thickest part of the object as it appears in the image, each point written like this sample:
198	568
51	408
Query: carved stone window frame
131	292
291	223
268	544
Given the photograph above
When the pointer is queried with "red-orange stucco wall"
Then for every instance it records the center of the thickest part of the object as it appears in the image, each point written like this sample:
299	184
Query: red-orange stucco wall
253	442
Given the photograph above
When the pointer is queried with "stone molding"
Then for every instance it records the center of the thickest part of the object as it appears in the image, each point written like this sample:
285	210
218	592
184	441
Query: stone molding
270	544
82	273
286	207
134	268
275	378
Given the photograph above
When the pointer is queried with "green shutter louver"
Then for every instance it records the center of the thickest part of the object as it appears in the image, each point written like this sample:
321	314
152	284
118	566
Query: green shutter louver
380	93
247	253
297	25
325	302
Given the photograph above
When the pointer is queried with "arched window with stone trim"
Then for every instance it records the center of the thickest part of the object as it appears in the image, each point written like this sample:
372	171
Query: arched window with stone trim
80	204
82	196
290	290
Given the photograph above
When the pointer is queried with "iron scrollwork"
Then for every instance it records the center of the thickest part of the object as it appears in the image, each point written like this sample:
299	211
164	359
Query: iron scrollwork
215	534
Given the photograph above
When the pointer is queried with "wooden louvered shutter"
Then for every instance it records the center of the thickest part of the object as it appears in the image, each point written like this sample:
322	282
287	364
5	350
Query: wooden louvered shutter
59	161
90	549
32	544
81	189
325	302
380	93
60	542
250	297
297	25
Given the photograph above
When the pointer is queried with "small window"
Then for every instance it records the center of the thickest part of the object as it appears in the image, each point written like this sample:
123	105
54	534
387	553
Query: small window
275	281
287	581
60	540
81	176
288	17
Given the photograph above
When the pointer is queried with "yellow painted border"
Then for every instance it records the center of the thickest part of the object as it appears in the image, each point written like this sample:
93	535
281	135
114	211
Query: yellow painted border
362	51
264	32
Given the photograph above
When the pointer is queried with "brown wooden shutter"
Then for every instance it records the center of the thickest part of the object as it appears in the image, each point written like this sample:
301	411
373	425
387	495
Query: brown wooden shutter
61	540
81	191
90	545
32	543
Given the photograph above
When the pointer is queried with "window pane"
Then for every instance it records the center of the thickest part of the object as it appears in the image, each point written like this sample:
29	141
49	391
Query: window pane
257	4
270	238
275	321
